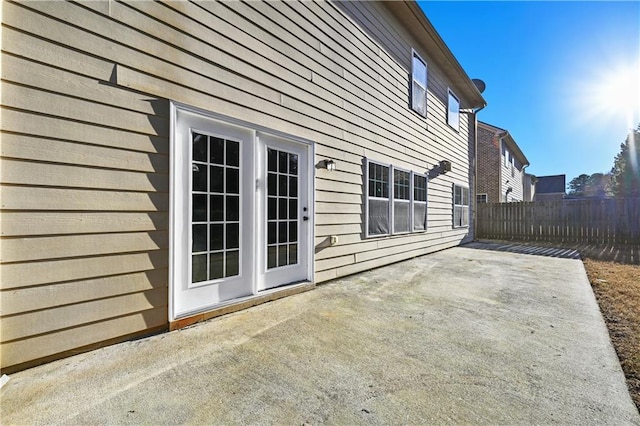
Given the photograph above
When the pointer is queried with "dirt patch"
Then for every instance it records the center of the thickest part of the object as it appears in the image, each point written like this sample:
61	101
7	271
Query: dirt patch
617	289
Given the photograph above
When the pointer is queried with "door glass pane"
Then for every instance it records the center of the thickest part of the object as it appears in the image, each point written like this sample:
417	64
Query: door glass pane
282	206
293	208
216	146
216	266
233	208
233	181
217	237
293	231
199	268
233	236
199	177
283	162
199	147
272	183
233	263
272	160
216	207
199	208
233	153
293	186
293	164
282	185
293	254
215	181
283	259
272	208
199	238
272	257
272	232
282	232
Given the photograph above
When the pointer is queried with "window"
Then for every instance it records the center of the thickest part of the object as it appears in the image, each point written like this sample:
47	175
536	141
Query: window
401	201
419	202
396	200
378	199
453	111
418	84
460	206
481	198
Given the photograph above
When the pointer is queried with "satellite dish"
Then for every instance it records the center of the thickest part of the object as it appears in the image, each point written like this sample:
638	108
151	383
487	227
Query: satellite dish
479	84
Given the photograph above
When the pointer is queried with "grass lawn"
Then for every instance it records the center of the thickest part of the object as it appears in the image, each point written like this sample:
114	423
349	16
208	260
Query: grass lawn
617	289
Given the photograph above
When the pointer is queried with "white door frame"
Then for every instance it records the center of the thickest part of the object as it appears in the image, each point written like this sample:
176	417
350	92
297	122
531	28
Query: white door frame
179	219
268	279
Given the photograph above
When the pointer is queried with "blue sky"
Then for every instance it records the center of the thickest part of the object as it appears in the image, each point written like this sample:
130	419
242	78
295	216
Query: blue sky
562	77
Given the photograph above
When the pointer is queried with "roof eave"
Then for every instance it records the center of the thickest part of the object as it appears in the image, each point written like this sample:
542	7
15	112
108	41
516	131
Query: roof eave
410	14
516	149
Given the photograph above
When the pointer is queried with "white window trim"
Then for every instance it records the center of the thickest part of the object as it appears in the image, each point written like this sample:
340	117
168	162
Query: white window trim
455	226
449	118
486	198
391	200
368	197
415	54
414	202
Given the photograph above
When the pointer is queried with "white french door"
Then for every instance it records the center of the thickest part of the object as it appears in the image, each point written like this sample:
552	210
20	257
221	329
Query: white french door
285	212
241	214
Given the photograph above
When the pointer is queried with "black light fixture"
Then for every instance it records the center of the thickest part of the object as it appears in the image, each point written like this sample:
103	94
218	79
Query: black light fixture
329	165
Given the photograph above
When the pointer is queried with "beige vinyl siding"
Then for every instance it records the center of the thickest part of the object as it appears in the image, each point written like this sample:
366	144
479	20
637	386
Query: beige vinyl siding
84	177
85	126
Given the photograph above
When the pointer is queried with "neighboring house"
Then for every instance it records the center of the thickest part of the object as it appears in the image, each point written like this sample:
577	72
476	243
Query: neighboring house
501	165
164	163
530	182
550	188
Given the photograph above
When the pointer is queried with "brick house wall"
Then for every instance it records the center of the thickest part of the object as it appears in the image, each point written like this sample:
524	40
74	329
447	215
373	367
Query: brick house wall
488	164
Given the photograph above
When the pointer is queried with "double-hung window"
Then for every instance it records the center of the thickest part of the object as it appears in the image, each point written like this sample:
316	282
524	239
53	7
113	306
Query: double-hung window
418	84
419	202
460	206
396	200
378	199
453	111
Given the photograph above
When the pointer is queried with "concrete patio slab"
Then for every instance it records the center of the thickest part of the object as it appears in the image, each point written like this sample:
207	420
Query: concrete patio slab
465	335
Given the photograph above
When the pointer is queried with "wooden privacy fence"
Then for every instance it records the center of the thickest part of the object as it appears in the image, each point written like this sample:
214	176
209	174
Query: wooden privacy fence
609	221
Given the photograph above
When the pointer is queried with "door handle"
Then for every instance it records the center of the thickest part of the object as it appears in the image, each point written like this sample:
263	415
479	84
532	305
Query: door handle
305	218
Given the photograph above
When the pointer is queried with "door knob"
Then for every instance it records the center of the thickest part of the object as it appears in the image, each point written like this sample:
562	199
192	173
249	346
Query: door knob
305	218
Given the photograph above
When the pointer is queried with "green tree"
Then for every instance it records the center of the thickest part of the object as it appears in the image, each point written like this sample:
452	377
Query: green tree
595	185
626	168
599	185
578	185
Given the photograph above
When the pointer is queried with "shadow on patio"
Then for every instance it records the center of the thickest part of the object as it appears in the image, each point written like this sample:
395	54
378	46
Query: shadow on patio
620	253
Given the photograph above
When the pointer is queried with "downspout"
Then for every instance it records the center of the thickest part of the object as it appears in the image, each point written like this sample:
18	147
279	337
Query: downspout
475	171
